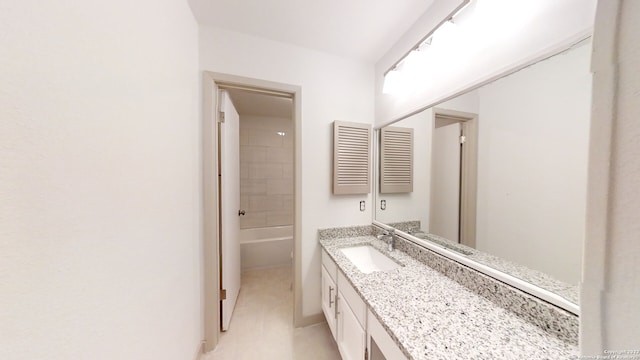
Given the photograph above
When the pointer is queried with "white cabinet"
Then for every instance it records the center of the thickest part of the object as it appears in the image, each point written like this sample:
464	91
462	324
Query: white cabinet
329	291
381	346
352	317
357	332
351	335
345	311
329	294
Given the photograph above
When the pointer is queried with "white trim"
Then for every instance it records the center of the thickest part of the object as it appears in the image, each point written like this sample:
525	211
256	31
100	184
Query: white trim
210	254
604	66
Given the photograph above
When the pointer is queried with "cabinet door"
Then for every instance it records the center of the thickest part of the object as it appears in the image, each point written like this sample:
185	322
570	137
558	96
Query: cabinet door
329	294
381	346
351	335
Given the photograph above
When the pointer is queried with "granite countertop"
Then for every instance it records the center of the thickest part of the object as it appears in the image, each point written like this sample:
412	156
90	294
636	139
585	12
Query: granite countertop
431	316
535	277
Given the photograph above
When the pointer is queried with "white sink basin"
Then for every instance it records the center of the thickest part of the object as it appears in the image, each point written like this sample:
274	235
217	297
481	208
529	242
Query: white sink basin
367	259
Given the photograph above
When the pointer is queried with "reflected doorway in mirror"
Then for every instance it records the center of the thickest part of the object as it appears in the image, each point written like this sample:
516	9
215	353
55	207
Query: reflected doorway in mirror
453	182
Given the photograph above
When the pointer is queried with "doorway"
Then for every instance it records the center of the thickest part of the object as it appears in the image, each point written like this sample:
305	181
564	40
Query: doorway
256	209
454	174
213	219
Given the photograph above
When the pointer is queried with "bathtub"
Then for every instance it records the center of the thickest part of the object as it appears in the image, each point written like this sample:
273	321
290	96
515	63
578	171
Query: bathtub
266	247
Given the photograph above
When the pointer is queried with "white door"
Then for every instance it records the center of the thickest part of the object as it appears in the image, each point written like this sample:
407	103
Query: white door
445	180
229	206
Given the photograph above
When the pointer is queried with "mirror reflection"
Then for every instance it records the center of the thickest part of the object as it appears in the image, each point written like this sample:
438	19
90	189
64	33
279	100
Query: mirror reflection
500	173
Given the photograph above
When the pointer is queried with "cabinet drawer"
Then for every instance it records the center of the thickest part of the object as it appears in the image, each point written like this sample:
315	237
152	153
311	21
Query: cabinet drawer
330	265
353	299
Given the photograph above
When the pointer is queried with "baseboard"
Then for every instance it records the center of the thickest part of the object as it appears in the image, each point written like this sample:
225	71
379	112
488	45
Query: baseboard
199	352
310	320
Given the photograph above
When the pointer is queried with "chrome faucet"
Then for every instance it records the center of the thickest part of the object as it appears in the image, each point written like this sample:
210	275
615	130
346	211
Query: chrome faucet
389	236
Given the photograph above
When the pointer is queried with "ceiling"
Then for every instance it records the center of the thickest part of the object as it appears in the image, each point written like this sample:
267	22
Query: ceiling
360	29
257	104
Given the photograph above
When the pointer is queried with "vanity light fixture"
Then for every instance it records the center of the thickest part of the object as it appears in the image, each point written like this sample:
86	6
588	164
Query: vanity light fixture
397	79
281	133
392	82
439	54
419	59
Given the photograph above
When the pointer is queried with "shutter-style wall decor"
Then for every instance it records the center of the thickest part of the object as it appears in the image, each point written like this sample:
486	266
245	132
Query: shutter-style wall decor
396	160
351	158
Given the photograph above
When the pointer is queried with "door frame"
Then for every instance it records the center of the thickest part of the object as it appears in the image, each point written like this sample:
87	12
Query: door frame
468	172
212	81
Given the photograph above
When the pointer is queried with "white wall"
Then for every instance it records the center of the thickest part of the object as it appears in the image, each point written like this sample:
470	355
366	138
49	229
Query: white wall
100	180
415	205
532	164
611	270
333	88
547	25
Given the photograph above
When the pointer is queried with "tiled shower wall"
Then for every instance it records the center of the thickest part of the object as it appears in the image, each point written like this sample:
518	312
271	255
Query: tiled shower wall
266	171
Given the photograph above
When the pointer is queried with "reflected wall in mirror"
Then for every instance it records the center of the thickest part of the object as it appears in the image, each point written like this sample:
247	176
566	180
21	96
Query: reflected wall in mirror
500	173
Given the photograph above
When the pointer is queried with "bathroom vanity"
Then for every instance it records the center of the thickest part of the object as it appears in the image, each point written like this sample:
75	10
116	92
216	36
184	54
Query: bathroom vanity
486	190
354	327
413	311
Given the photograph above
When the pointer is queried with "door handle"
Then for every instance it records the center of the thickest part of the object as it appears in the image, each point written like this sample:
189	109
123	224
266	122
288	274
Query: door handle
241	213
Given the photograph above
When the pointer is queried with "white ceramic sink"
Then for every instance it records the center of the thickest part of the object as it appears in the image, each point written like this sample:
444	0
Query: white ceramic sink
367	259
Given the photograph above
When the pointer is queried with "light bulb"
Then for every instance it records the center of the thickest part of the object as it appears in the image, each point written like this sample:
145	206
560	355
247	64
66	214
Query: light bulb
392	82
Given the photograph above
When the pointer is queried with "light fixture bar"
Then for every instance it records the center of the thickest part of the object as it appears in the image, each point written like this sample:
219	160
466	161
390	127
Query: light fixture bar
450	17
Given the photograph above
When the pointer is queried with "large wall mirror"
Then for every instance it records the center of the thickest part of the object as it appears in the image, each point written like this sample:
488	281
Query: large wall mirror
500	174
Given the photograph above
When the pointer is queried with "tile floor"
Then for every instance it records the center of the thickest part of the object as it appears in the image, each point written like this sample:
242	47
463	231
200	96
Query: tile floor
262	323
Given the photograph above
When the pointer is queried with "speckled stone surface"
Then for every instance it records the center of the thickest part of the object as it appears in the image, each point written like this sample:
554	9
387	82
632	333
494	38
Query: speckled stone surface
430	316
406	226
556	321
540	279
346	231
